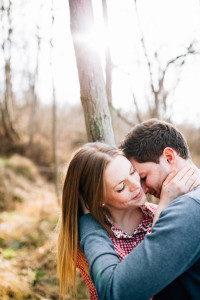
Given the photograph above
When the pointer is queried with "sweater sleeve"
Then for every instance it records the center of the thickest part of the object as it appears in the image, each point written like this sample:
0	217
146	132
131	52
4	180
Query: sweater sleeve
171	249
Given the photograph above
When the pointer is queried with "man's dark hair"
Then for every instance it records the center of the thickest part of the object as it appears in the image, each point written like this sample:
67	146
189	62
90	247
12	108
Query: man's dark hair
146	141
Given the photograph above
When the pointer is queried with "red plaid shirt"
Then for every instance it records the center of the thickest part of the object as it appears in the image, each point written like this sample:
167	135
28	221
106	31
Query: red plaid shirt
123	242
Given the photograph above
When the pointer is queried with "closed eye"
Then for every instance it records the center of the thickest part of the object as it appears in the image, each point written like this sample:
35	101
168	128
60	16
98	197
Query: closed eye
132	171
119	191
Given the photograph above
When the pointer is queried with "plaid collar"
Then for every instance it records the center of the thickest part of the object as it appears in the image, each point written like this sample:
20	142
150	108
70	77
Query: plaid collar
142	227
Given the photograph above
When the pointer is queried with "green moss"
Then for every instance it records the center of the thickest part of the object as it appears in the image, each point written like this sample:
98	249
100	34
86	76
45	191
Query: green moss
97	129
9	253
7	215
24	171
2	197
34	235
6	163
53	222
1	180
2	242
17	198
35	238
36	275
51	281
18	169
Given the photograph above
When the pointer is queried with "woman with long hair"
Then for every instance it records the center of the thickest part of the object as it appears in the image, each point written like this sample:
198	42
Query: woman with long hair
102	180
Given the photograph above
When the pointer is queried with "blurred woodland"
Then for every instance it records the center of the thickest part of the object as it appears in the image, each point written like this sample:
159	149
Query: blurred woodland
38	139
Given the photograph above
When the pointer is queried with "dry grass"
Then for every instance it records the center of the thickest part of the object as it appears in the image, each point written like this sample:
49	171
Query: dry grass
28	205
27	235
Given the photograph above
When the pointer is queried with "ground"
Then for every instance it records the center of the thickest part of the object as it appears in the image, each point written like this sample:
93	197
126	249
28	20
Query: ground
28	220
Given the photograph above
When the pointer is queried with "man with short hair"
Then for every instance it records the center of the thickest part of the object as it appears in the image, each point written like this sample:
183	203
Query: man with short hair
166	263
147	145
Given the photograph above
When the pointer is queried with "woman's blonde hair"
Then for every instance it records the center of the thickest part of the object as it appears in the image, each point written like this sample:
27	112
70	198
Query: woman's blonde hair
84	179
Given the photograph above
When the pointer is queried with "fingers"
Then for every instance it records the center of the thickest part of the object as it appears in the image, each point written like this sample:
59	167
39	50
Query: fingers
179	183
184	173
181	175
184	180
189	180
194	184
187	176
170	177
190	177
192	181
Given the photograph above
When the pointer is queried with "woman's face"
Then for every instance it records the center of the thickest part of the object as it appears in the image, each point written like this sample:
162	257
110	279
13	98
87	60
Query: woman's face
122	185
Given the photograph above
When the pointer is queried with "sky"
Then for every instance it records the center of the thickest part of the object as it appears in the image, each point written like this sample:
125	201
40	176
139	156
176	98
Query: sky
168	26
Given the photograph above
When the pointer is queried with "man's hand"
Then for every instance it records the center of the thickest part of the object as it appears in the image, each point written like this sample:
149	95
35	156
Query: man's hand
175	185
179	183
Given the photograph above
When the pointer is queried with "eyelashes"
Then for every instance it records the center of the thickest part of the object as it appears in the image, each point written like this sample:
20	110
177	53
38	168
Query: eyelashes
123	187
132	172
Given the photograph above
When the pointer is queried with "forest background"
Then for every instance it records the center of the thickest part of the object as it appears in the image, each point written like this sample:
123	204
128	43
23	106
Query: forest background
77	71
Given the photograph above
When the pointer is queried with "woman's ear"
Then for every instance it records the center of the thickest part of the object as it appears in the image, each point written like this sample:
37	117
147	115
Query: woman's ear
170	155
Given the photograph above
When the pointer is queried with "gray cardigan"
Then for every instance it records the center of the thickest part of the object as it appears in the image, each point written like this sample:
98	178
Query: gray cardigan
165	264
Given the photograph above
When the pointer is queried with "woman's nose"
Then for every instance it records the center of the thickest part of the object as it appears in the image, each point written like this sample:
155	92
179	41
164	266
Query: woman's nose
134	184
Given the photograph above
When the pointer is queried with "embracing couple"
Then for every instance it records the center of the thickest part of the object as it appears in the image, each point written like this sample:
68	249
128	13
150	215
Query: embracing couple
133	249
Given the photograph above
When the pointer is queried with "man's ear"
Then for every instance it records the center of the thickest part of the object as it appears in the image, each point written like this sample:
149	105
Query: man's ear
170	155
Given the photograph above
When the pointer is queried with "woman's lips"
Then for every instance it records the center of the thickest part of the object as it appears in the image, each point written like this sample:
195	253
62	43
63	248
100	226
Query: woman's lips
139	195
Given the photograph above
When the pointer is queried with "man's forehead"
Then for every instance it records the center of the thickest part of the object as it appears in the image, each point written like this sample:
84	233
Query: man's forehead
141	168
136	165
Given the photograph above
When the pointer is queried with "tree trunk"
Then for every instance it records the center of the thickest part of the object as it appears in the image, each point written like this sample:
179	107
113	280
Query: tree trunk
54	144
33	115
92	84
108	57
7	107
34	94
7	103
54	122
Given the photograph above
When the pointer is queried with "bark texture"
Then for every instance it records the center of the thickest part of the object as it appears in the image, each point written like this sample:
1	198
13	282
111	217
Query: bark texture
91	79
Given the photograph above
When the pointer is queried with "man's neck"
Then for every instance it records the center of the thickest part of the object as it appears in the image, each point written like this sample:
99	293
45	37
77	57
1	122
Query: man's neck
181	162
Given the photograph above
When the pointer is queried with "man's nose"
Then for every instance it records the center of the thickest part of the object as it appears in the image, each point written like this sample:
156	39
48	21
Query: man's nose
144	187
146	190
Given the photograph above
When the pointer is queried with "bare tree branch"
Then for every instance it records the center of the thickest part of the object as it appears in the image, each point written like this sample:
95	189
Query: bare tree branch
108	54
154	111
54	114
123	118
144	48
190	50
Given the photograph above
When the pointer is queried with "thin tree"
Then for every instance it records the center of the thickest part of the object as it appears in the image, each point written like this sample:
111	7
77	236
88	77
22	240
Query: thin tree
108	56
6	105
158	107
115	114
92	85
33	82
54	118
